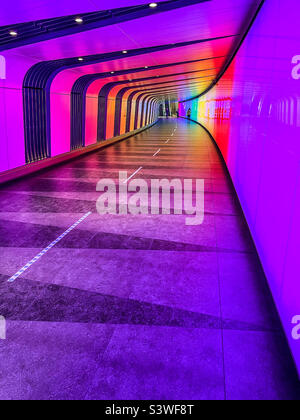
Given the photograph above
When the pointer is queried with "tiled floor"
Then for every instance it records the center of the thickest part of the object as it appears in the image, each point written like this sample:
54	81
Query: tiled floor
136	307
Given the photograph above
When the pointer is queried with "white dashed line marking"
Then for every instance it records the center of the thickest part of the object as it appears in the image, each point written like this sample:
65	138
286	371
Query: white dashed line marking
156	153
42	253
128	179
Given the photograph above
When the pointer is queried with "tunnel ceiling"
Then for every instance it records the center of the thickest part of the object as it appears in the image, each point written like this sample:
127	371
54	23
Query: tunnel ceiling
177	49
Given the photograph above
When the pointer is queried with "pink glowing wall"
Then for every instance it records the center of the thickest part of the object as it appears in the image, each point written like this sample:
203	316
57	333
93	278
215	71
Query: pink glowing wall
254	115
204	20
13	68
12	148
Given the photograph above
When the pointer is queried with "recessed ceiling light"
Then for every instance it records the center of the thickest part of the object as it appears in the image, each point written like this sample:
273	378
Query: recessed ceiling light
13	33
153	5
124	51
80	59
112	72
79	20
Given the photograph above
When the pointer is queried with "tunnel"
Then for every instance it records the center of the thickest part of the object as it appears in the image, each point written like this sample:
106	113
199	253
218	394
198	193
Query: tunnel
150	200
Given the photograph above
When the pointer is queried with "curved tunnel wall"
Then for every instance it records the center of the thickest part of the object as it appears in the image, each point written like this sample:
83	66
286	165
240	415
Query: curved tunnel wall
12	144
30	83
32	62
44	127
254	115
81	114
49	105
38	84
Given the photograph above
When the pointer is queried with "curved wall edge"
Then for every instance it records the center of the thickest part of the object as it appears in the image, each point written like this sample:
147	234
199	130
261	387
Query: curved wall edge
29	169
254	115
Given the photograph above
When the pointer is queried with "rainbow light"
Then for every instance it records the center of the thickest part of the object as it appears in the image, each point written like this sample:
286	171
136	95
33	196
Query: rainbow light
254	115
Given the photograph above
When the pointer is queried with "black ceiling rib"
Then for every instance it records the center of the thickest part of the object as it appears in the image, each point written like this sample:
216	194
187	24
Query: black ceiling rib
46	29
164	83
121	93
173	87
148	117
170	81
161	92
39	75
106	89
137	114
157	92
36	92
78	97
81	83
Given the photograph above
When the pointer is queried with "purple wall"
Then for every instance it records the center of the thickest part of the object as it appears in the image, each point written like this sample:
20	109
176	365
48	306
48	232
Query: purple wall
254	115
12	149
25	11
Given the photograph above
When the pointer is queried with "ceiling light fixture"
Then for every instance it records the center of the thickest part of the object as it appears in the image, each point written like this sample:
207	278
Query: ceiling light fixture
79	20
80	59
13	33
153	5
124	51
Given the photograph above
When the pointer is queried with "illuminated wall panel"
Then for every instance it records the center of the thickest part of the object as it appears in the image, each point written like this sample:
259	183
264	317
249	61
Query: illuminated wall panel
60	124
110	120
60	109
12	147
132	117
91	120
123	117
254	115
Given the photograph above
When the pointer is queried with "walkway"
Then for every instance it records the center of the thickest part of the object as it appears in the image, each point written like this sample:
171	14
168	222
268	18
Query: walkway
136	307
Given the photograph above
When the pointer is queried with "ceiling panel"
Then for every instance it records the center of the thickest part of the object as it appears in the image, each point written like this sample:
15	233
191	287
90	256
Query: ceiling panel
205	20
227	19
21	11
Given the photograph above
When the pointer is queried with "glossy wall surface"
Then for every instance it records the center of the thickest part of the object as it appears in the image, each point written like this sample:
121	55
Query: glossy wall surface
254	115
128	48
13	68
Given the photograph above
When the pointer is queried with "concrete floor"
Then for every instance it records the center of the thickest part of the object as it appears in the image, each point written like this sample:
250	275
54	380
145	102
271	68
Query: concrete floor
136	307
